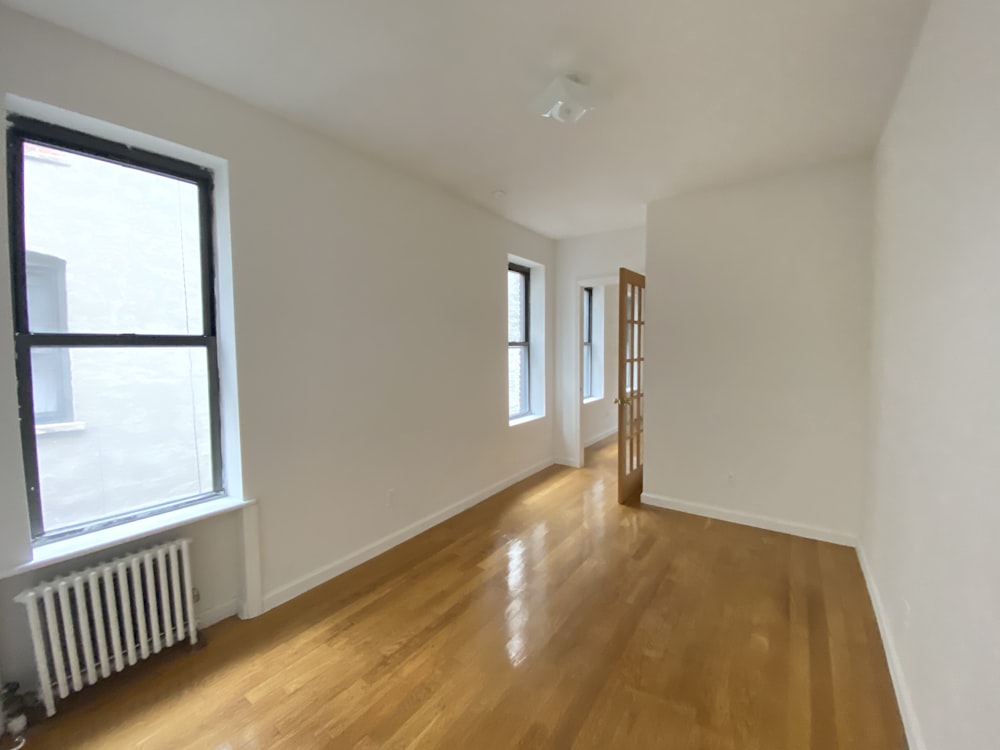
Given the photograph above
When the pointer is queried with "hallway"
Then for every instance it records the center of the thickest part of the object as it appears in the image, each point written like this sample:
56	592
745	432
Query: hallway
546	616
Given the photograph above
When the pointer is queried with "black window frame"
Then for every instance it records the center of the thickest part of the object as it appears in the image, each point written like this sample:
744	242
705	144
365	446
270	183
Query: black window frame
588	342
22	130
524	344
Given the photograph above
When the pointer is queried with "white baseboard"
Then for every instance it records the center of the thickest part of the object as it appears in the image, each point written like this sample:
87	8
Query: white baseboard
911	724
570	462
600	436
752	519
216	613
289	591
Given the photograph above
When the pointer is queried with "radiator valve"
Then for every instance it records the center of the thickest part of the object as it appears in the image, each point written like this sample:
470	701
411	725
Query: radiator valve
15	704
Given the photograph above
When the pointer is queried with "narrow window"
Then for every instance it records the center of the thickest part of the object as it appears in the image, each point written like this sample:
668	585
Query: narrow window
518	328
114	325
588	342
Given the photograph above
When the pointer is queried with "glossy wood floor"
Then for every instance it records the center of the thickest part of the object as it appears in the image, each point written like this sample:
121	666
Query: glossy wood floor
547	616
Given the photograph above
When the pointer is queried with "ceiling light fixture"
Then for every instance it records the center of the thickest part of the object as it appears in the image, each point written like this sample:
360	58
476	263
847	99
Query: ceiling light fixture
567	99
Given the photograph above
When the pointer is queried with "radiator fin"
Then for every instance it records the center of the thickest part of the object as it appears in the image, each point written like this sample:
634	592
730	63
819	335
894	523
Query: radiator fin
89	623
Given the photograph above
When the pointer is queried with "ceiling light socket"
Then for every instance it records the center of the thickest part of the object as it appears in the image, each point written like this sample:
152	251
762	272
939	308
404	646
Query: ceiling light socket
499	195
567	99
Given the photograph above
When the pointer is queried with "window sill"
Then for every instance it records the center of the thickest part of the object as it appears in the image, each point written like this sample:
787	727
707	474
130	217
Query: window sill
57	428
592	399
525	419
66	549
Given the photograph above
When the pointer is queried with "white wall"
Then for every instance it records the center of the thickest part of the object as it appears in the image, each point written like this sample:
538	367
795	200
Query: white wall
931	527
757	349
370	319
593	258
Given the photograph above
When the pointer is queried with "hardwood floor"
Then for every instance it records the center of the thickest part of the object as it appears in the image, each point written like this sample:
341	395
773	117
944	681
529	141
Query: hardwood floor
547	616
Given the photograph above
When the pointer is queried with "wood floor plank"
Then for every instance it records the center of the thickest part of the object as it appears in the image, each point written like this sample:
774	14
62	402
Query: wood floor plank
548	616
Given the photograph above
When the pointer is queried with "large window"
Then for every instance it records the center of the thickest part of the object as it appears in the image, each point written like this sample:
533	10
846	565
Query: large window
588	342
518	344
113	273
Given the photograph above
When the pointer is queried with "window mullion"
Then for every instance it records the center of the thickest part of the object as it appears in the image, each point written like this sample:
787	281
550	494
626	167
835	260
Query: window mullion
26	413
15	214
215	414
208	318
113	339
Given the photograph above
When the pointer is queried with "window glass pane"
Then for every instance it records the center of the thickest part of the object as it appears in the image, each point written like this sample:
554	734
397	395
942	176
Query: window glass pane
588	303
515	306
51	388
46	292
588	369
517	380
45	376
144	437
130	241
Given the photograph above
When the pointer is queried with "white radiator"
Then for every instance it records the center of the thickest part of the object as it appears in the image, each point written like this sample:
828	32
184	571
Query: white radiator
109	616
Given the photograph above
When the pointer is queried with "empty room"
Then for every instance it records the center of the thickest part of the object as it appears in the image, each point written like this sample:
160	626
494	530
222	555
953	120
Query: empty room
272	477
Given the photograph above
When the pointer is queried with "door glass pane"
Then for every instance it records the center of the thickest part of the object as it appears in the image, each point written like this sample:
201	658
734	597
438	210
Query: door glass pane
628	444
639	430
143	438
128	240
628	377
636	429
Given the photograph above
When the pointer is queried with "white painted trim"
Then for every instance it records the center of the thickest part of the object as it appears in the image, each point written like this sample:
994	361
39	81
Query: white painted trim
218	613
251	601
525	419
600	436
609	280
571	462
66	549
752	519
914	735
289	591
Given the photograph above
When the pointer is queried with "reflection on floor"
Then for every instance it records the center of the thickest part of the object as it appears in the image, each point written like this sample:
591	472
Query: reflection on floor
547	616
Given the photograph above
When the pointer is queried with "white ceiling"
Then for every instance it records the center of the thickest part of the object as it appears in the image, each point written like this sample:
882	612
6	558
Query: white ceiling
695	92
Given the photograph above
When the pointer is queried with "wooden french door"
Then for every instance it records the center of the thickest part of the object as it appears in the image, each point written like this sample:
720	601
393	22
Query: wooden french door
631	397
